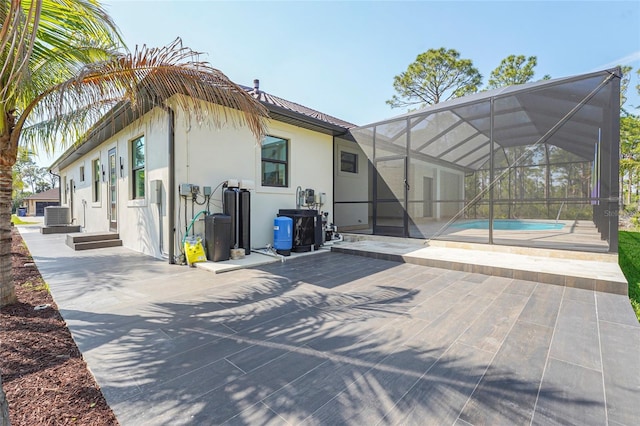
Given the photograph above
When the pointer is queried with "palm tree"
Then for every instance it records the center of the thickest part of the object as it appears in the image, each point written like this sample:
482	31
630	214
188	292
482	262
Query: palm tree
61	70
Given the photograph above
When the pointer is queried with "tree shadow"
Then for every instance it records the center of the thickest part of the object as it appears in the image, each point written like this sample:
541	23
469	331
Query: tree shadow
83	274
325	339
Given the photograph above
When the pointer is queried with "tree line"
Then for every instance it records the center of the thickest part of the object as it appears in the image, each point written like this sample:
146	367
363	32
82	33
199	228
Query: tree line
29	178
439	75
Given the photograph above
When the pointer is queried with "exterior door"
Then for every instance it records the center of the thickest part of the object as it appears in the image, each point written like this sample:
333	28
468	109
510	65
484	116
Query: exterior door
113	191
390	195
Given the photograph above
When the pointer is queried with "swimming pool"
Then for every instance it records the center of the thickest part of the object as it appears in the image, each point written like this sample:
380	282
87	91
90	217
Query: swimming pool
509	225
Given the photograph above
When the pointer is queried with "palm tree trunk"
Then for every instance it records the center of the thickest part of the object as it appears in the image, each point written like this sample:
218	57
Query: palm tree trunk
629	188
4	407
7	290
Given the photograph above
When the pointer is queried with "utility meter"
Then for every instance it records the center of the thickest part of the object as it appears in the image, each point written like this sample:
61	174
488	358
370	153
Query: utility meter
309	196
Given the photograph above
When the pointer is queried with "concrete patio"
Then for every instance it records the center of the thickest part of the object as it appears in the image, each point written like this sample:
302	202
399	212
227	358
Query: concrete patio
333	338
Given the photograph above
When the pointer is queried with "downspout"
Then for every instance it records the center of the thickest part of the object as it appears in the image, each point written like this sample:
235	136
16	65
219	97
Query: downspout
171	202
59	187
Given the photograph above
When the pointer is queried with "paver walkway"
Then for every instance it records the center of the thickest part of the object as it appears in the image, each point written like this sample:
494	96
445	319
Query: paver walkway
339	339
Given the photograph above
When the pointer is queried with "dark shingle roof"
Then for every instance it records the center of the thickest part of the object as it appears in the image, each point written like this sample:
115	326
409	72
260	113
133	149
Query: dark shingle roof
270	100
279	109
50	194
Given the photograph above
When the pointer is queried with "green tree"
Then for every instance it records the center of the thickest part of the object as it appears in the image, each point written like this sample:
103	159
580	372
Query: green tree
514	70
436	75
624	83
629	155
62	69
32	174
52	179
638	85
42	185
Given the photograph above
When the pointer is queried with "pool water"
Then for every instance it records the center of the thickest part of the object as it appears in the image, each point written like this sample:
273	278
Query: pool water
510	225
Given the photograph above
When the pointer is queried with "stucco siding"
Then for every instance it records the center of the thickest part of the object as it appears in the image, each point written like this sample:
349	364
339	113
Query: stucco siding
137	220
205	155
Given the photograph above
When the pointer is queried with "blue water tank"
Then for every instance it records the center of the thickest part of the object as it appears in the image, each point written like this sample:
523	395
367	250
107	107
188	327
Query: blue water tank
283	235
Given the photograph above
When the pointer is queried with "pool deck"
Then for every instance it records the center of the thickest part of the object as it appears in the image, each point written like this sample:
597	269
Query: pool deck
585	270
335	339
575	235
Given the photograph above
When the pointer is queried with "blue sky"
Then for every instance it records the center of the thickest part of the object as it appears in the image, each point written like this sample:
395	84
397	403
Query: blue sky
340	57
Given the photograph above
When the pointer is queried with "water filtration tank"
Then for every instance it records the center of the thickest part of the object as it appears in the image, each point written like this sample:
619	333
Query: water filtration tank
217	235
283	235
237	204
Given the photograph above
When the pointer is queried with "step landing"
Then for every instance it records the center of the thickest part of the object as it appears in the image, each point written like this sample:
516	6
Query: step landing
59	229
93	240
599	272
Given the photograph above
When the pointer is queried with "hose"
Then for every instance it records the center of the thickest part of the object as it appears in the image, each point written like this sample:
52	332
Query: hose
186	234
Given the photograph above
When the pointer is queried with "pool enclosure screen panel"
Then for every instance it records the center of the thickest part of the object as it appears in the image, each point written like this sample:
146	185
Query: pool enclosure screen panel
533	165
389	200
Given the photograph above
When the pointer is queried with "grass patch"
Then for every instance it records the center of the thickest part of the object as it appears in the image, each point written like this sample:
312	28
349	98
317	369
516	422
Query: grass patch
37	285
629	259
18	221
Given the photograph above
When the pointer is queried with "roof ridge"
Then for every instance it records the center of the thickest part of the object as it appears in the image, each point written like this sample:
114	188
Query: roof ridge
296	107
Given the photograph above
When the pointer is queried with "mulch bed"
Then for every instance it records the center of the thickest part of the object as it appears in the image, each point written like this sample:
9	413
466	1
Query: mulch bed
45	379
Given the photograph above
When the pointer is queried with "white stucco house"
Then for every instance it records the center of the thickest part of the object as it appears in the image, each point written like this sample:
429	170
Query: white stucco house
534	164
129	175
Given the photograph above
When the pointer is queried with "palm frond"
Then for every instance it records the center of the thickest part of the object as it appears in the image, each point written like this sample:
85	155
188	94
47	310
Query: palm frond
154	75
33	31
61	66
64	129
73	22
17	38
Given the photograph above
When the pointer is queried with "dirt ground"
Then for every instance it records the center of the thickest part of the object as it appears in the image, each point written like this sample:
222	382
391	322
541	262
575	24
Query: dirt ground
45	379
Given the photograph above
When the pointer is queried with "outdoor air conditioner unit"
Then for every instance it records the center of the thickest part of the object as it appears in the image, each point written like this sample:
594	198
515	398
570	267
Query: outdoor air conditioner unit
56	216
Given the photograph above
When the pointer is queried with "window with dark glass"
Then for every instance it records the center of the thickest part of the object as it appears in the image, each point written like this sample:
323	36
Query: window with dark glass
96	180
348	162
137	168
275	161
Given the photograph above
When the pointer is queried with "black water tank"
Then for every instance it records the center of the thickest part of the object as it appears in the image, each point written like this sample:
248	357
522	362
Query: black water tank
217	236
237	204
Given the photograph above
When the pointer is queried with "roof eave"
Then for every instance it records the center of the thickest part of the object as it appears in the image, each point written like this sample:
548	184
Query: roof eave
121	116
304	121
111	123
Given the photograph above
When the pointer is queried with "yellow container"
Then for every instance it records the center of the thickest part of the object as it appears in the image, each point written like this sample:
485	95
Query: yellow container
194	252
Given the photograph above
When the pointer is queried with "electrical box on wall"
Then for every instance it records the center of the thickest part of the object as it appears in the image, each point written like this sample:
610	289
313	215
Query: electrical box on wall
309	196
247	184
155	191
185	189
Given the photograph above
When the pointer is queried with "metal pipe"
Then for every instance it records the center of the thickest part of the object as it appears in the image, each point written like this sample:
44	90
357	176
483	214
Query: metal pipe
491	168
171	197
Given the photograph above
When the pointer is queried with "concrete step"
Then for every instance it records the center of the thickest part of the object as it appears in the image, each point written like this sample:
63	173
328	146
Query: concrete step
85	237
89	245
598	273
93	240
61	229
